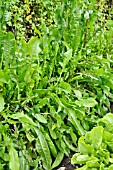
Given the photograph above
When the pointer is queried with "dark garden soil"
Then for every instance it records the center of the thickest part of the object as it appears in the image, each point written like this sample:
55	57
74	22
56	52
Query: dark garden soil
111	107
66	164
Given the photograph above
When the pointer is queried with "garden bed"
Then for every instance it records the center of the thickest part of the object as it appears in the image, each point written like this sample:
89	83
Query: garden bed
56	85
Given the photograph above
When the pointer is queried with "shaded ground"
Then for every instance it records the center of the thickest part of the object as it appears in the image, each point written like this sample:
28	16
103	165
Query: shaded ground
66	164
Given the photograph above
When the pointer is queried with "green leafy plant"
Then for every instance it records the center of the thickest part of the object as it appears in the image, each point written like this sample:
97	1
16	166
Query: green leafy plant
95	148
26	18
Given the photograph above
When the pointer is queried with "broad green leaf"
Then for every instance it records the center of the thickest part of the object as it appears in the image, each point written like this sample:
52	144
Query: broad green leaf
78	94
17	115
23	117
9	47
79	114
27	77
104	155
43	102
4	78
65	86
89	102
80	159
84	148
93	163
29	136
109	23
23	47
3	155
108	139
95	136
110	167
27	119
1	166
40	118
41	91
43	149
58	144
1	103
33	46
77	37
23	162
99	72
107	136
108	121
63	73
58	159
14	159
67	57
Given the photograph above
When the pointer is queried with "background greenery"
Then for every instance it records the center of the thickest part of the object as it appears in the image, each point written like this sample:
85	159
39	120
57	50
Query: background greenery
56	82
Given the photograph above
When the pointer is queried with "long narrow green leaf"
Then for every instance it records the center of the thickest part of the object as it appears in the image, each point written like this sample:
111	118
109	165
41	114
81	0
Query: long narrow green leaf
69	144
23	162
58	159
43	150
75	122
51	145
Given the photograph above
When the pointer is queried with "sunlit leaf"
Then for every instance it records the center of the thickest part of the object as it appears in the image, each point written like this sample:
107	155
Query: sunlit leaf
108	121
58	159
40	118
14	159
51	145
89	102
75	121
95	136
65	86
33	46
1	103
43	150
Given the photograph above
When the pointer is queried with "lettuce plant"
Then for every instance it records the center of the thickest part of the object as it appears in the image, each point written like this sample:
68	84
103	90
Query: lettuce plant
96	147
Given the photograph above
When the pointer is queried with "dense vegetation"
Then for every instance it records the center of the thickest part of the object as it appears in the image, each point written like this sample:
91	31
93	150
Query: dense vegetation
56	84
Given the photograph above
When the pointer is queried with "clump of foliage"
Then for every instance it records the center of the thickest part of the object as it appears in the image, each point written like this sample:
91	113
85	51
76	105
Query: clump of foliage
54	88
96	147
26	18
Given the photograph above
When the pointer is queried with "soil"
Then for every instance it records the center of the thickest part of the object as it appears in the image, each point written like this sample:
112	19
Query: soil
66	164
111	107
